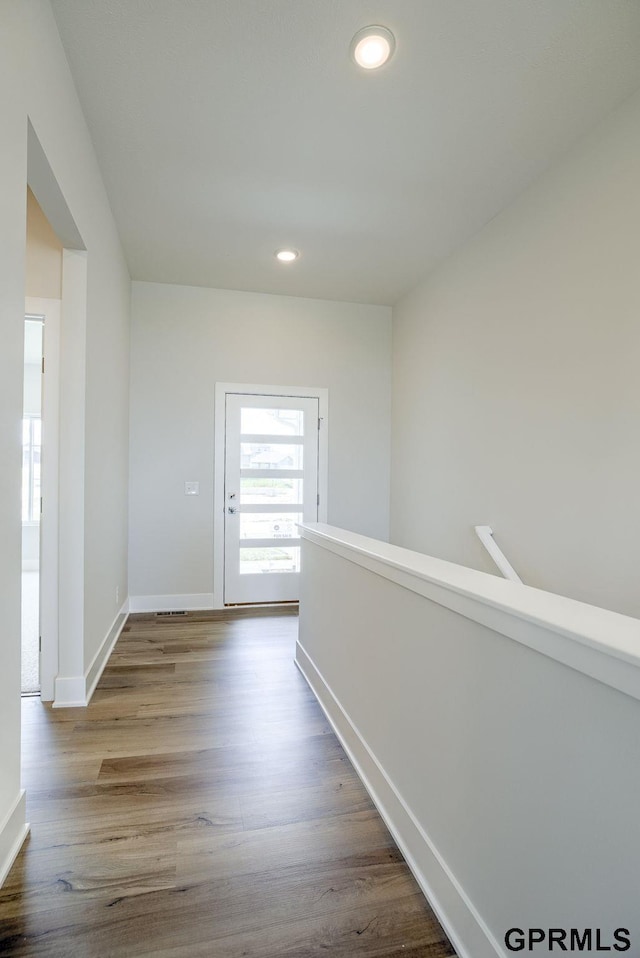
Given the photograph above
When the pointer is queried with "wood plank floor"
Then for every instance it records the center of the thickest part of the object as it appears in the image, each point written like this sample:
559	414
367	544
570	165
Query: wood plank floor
201	806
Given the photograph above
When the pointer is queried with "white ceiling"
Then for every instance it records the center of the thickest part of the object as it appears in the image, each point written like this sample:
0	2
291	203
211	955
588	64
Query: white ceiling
228	128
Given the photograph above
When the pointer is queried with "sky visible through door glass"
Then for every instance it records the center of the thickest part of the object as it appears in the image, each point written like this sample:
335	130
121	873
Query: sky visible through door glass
271	422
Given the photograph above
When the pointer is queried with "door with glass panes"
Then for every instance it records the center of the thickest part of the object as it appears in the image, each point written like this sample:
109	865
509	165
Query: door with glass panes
271	483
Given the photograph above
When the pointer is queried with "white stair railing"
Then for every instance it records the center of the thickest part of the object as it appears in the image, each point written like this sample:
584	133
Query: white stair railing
485	535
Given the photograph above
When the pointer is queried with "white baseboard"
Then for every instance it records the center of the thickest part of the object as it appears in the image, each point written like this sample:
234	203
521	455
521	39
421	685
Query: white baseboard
13	831
75	691
100	659
466	929
70	691
191	602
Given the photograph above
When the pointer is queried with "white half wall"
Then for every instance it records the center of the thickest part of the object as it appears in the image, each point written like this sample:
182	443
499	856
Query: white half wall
495	727
516	394
184	340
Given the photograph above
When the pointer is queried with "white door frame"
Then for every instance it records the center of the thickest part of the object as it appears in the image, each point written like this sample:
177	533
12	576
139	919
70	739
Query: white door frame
49	310
252	389
40	177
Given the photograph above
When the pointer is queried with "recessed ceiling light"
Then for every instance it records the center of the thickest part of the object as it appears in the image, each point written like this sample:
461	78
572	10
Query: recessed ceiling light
372	47
286	255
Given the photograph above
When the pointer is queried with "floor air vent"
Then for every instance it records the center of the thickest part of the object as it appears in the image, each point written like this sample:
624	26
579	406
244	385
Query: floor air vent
163	614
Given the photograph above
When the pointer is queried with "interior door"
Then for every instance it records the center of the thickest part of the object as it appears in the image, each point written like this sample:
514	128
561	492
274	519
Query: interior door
271	483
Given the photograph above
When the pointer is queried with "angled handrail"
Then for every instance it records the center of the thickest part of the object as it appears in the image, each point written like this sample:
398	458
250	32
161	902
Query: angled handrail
485	535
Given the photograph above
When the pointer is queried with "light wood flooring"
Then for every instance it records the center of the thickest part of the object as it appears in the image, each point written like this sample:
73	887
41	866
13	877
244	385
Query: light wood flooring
202	806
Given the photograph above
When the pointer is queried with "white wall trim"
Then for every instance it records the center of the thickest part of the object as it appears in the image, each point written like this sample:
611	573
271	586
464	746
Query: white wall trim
75	691
458	916
72	460
100	659
70	691
191	602
253	389
13	831
601	644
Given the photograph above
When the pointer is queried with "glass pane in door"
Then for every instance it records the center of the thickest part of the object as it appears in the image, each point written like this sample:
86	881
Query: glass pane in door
270	455
257	561
263	491
269	525
271	422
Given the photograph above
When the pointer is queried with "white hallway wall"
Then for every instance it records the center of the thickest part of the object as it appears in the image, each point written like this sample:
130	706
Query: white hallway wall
35	82
184	340
516	397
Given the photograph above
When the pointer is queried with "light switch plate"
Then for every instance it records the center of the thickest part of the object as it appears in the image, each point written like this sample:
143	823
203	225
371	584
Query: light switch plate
192	488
